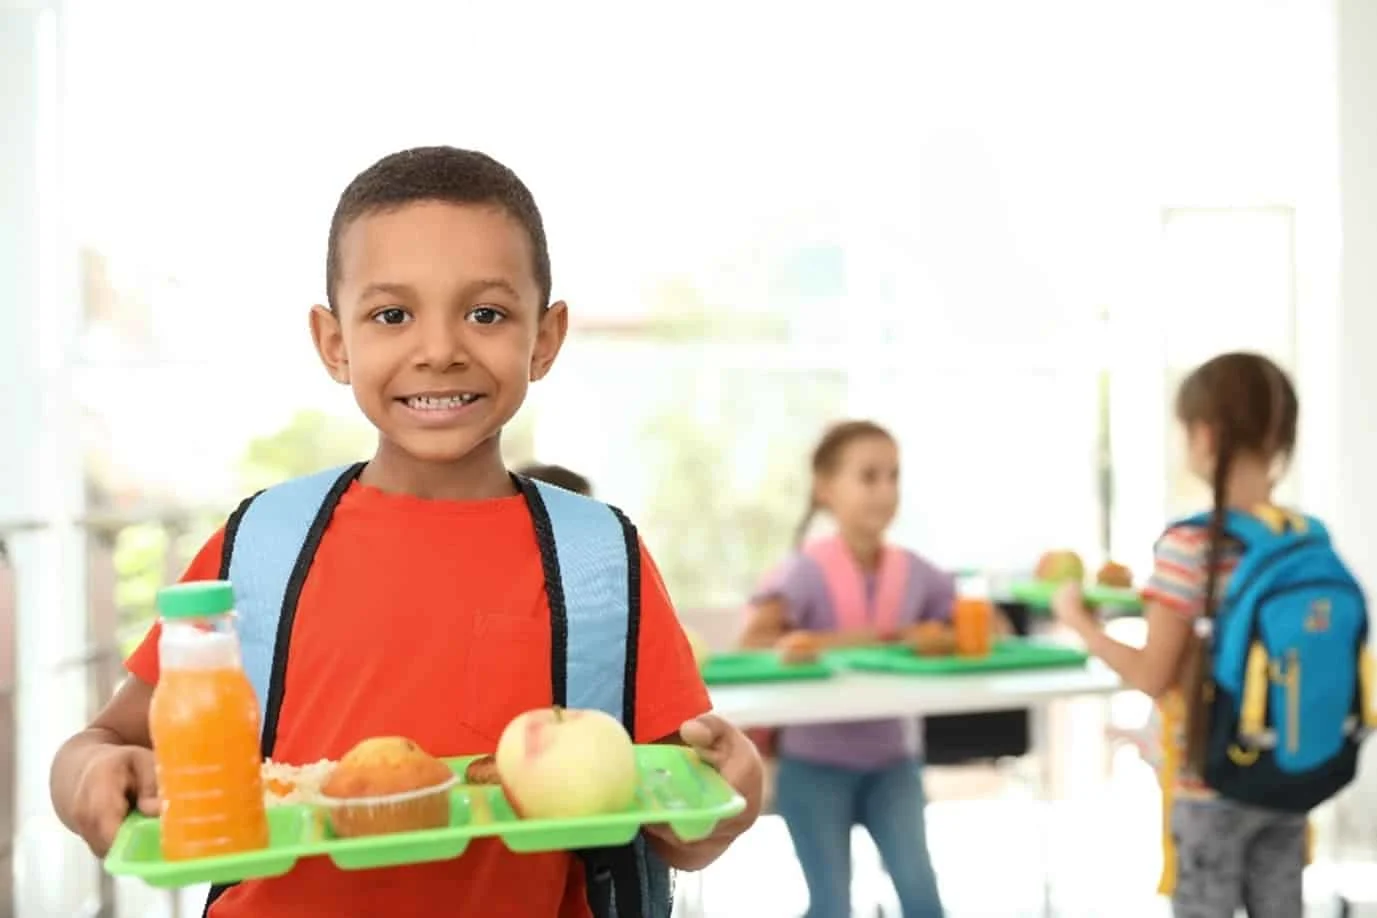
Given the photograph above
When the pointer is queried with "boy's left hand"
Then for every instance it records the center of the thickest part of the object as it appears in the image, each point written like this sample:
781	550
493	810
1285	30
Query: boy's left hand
728	750
1068	605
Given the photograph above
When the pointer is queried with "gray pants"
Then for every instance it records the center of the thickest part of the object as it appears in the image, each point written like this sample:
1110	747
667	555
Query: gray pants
1230	855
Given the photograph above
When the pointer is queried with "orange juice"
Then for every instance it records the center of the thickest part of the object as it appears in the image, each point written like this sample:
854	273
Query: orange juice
204	720
973	621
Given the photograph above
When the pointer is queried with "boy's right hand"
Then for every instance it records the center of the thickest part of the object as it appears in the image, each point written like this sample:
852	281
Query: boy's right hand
116	778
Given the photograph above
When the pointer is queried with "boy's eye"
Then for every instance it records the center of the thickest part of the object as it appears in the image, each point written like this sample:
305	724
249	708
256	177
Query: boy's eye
485	315
393	315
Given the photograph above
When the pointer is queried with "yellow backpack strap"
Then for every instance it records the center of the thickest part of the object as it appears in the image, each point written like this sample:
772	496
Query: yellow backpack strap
1166	777
1253	717
1365	687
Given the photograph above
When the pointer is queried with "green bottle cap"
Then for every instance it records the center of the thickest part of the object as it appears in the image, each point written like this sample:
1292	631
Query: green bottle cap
199	599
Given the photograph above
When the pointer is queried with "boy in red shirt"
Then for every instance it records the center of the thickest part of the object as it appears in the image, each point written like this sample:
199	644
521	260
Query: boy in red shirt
424	612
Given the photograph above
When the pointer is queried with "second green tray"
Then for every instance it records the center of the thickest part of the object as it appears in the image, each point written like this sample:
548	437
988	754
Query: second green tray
1008	654
1037	594
675	788
760	666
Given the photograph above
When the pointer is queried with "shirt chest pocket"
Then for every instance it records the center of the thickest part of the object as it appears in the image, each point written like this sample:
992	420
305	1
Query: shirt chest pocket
507	672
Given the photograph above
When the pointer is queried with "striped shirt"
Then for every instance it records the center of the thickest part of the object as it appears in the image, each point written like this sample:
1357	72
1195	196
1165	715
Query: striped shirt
1179	562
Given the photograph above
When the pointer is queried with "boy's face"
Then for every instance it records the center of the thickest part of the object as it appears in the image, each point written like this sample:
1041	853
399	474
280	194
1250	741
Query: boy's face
438	326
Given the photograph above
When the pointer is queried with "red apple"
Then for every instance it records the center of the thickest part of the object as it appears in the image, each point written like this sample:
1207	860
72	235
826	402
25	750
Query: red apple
558	763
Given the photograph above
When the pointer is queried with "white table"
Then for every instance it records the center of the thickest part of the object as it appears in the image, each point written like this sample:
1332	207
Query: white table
853	696
865	696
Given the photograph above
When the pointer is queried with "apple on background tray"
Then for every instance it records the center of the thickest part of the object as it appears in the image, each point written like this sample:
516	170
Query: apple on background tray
560	763
1060	566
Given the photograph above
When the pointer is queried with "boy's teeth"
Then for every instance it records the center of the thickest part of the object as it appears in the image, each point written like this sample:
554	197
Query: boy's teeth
426	403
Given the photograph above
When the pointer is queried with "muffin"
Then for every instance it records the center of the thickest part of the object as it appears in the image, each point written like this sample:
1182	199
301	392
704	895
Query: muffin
387	784
1113	574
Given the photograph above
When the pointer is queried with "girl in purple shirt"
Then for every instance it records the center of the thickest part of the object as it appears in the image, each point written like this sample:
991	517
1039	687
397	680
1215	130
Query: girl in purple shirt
853	589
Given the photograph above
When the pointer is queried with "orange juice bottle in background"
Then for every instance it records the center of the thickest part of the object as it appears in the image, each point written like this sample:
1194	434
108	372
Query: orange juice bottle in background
204	720
972	618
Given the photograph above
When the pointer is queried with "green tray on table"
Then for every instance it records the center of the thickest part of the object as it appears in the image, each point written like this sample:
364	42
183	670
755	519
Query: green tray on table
1008	654
675	788
751	666
1037	594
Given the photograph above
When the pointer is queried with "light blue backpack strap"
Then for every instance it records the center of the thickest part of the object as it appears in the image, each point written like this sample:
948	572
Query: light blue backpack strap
270	541
594	586
597	620
265	549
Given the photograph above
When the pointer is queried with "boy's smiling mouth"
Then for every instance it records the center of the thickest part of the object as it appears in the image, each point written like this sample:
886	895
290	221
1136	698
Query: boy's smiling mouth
440	408
440	401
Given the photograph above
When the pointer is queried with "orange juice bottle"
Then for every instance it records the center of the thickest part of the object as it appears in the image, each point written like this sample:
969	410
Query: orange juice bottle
204	719
972	619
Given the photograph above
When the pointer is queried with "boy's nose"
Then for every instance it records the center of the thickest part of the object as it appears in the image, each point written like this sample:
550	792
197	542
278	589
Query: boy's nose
442	346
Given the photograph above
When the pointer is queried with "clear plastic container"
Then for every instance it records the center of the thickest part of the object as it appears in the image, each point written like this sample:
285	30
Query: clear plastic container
408	811
204	720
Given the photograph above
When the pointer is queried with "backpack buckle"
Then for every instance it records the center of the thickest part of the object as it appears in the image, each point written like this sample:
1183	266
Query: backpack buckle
1243	758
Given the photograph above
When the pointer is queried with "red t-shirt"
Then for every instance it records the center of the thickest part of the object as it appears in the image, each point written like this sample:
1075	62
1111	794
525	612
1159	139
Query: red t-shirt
428	619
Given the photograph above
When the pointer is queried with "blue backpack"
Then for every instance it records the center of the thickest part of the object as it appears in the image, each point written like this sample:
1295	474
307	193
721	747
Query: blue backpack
591	557
1288	694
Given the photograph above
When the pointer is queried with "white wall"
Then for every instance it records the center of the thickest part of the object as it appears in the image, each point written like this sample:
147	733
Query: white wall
1337	337
1337	320
1356	517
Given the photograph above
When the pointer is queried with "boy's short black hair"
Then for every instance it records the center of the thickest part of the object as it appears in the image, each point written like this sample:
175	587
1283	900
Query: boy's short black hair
438	174
558	476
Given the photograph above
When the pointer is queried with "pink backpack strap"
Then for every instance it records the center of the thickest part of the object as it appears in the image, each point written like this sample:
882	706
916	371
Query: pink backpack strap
891	589
846	585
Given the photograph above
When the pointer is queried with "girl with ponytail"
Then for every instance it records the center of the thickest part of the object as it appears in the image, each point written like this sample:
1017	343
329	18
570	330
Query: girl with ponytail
1239	414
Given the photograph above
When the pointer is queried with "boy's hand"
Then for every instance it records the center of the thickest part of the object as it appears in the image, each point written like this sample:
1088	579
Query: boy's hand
735	758
115	776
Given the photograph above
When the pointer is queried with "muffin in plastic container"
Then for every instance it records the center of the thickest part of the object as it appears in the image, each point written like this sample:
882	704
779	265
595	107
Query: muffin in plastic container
405	811
386	785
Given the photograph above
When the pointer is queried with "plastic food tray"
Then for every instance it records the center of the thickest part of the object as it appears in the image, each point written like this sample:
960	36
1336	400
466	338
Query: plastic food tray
675	788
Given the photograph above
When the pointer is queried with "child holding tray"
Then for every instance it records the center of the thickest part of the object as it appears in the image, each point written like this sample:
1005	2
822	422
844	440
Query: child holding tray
424	611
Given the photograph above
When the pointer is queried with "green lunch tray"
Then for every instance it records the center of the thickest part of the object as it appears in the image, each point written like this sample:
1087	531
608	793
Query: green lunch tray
675	789
1037	594
760	666
1007	654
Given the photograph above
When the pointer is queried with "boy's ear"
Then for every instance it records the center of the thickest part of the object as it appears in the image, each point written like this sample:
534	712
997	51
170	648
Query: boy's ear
329	340
553	326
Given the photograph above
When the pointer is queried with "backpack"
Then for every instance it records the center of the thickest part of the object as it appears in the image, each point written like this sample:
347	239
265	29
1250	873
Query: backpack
591	558
1288	693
